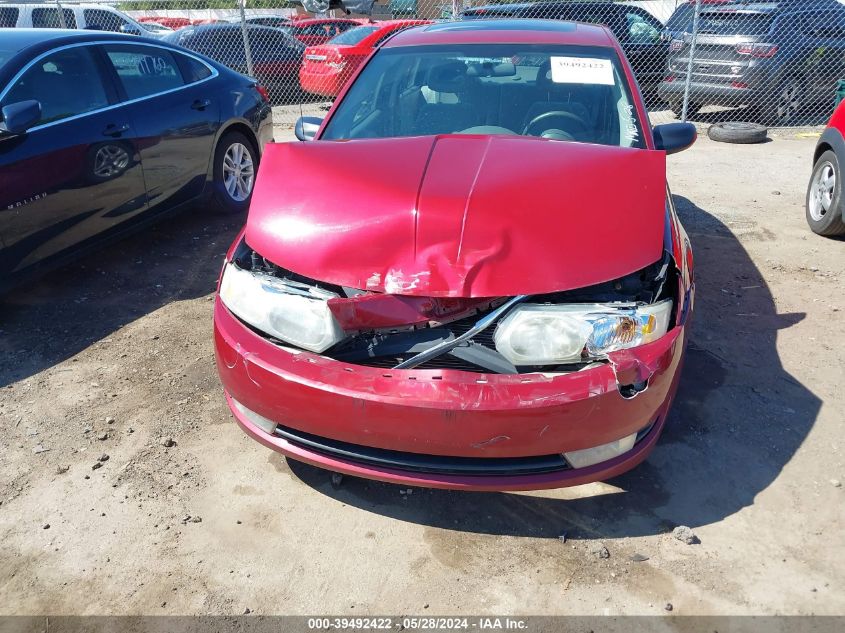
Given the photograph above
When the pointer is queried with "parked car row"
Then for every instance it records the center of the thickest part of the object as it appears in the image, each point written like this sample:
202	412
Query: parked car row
778	57
317	56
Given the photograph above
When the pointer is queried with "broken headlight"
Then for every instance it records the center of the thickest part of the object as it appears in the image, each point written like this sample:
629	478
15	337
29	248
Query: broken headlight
289	311
534	334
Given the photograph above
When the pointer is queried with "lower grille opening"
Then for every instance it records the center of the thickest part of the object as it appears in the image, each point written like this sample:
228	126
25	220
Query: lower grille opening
420	463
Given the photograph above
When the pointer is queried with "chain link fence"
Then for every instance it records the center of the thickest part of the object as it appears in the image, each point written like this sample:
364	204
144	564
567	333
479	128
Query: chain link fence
780	63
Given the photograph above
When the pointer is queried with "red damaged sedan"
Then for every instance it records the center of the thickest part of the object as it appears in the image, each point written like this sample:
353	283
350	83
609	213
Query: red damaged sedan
473	276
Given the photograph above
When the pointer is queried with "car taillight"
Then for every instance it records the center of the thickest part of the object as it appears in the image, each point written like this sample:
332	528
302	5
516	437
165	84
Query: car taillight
263	92
676	45
761	51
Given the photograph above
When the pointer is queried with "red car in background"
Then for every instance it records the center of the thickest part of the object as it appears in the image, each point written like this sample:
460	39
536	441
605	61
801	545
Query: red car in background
825	208
328	67
314	31
426	294
201	21
172	23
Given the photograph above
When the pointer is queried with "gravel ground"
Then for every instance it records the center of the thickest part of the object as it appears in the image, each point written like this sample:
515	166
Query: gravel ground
127	488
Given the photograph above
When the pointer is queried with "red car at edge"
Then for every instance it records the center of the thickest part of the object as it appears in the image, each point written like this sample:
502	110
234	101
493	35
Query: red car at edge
325	69
825	208
472	274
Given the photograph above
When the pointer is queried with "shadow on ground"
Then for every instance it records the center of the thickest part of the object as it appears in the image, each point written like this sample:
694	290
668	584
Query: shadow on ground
737	420
57	316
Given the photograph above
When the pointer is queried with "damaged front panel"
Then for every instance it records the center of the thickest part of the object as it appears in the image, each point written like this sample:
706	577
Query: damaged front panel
456	216
401	332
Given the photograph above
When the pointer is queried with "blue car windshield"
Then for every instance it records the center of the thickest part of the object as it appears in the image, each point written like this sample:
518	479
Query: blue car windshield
571	93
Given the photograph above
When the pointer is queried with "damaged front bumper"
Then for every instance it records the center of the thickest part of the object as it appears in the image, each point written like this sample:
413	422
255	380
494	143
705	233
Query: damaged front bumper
446	428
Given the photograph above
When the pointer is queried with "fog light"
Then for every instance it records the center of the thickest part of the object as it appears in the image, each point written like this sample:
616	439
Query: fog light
265	424
589	456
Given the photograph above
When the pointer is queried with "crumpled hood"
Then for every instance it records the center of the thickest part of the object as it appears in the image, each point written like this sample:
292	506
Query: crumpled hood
459	216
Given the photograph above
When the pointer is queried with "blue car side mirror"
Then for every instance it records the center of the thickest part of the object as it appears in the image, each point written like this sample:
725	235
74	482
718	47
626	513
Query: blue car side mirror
19	117
674	137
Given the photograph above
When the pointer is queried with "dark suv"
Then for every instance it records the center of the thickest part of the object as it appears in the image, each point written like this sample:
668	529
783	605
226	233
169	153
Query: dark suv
777	57
637	30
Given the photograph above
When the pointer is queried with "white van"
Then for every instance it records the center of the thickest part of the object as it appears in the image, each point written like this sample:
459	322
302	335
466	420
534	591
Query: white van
72	16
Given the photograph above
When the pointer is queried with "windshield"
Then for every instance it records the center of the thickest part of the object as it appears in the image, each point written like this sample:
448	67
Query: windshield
681	18
353	36
557	92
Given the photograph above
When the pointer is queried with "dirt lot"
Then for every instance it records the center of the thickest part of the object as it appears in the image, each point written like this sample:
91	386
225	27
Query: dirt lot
113	356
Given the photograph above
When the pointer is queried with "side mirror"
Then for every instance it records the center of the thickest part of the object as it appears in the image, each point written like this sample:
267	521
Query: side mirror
19	117
306	127
674	137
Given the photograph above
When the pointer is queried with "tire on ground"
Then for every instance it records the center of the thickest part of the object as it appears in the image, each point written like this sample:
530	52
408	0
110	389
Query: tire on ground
738	132
829	223
222	200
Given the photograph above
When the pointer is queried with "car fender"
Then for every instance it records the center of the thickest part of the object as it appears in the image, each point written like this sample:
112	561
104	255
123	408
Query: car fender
242	125
830	139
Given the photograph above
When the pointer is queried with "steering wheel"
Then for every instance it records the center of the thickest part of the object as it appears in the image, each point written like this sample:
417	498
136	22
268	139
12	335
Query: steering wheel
558	114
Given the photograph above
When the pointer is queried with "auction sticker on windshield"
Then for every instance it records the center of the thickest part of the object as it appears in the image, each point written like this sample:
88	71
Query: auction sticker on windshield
582	70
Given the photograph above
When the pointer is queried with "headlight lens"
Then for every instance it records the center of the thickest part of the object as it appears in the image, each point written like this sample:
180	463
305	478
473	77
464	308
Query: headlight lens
294	313
534	334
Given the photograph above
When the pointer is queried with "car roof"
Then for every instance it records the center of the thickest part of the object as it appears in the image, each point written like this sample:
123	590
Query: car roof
772	6
308	21
386	23
518	6
19	39
224	26
504	31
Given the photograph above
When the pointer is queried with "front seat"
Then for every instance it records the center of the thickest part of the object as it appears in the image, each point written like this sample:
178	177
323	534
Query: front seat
457	113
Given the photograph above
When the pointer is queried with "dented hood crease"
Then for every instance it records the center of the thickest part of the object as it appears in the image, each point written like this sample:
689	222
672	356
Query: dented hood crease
459	215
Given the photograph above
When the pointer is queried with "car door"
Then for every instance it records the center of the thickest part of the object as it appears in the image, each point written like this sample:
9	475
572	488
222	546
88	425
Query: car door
820	56
176	112
51	18
76	173
103	20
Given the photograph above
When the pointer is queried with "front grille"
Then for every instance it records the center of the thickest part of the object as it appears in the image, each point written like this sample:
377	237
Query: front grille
420	463
444	361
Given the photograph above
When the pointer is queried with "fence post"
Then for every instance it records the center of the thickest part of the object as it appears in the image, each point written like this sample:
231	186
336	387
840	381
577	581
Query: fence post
247	49
62	22
691	56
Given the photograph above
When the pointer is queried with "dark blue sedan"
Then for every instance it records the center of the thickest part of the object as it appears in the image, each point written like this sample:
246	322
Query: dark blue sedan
101	133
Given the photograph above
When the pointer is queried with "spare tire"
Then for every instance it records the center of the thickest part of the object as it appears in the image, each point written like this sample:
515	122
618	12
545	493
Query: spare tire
738	132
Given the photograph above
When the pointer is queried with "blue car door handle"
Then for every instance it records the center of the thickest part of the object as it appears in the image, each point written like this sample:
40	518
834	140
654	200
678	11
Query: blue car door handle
200	104
115	130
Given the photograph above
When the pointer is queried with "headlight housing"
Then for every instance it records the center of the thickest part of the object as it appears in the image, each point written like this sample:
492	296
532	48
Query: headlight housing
534	334
292	312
